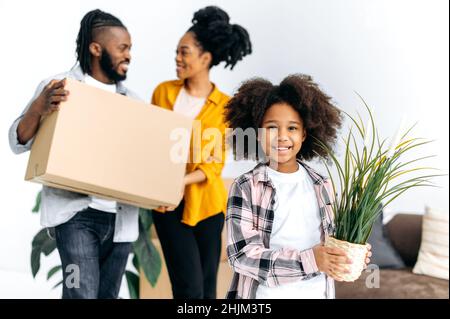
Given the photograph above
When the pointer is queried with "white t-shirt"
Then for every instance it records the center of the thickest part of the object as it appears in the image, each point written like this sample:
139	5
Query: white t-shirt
104	205
296	225
188	105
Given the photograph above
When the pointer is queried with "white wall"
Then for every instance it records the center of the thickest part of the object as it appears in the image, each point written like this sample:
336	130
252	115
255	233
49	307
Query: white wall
394	53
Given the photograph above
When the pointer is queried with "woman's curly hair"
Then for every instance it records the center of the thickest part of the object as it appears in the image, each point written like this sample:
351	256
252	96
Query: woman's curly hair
321	118
214	33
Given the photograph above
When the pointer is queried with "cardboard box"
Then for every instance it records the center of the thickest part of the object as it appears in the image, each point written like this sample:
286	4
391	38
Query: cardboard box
110	146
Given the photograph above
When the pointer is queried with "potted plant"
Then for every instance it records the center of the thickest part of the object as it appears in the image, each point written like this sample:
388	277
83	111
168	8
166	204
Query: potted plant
370	175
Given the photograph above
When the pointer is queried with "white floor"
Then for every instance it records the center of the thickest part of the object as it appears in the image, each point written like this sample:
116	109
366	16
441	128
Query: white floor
19	285
22	285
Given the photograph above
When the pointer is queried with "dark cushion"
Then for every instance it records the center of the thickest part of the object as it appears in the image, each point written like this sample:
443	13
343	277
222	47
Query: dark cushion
393	284
405	234
384	254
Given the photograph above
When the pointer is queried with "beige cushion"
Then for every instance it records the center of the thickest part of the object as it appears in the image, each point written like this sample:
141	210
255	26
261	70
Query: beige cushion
433	254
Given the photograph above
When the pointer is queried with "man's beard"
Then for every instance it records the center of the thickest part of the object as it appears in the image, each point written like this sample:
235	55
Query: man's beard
107	66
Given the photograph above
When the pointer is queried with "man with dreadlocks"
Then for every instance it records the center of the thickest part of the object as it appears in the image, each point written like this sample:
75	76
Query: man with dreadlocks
93	236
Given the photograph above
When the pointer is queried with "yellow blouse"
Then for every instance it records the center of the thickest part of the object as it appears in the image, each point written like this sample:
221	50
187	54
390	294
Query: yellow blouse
207	152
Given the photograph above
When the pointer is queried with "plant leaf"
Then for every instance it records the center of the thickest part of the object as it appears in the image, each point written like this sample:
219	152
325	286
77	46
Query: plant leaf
35	261
136	263
133	284
146	218
53	271
37	204
147	255
59	283
41	243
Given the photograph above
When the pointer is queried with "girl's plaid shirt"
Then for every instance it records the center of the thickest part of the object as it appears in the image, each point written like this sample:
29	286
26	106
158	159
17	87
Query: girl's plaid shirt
249	220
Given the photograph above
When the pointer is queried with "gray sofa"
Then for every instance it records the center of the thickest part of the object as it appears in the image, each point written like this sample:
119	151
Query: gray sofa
404	232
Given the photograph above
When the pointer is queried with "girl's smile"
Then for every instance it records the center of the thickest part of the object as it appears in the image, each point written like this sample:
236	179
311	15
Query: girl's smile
284	135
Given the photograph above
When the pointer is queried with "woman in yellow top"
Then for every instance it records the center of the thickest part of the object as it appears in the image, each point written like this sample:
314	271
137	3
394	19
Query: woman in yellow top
190	234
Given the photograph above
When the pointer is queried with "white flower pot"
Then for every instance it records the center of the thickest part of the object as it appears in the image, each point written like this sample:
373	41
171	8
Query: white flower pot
356	252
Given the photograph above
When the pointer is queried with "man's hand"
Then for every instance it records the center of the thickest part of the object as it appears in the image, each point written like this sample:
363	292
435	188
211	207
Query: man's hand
50	98
48	101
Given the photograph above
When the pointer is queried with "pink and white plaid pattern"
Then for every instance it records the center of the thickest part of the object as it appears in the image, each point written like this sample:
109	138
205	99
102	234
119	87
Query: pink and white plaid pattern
249	221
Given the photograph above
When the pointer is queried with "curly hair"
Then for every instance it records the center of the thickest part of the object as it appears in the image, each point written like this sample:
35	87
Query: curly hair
321	118
213	32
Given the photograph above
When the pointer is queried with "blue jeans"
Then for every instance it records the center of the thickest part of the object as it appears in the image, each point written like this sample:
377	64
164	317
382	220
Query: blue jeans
93	265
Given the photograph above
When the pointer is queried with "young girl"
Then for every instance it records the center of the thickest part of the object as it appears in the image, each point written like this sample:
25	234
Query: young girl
279	213
190	234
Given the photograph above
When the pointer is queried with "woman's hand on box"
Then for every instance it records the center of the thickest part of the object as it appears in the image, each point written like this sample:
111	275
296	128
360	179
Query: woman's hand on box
163	209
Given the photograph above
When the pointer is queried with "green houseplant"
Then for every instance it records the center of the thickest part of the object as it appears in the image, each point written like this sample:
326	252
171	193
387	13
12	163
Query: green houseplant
369	177
146	257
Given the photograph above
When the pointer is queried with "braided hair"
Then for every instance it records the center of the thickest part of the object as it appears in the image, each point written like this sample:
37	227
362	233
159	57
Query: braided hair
92	20
226	42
